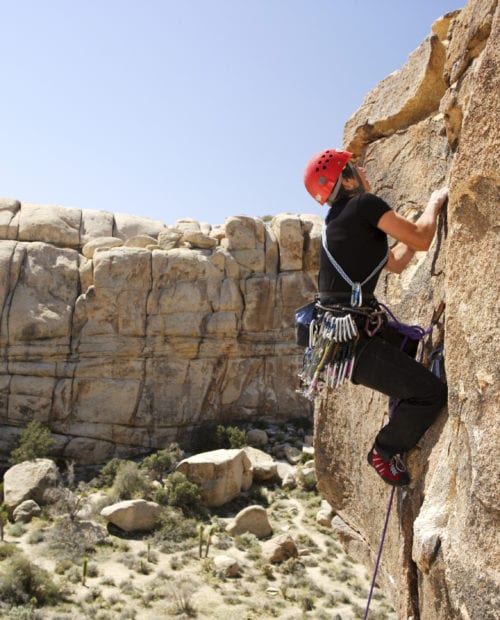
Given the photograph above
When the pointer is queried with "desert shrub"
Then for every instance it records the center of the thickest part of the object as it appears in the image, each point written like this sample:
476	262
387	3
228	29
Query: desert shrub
4	518
246	541
230	437
23	612
182	592
7	550
63	566
130	482
210	437
22	582
175	532
108	473
34	442
36	536
258	495
69	540
183	494
162	462
161	496
17	529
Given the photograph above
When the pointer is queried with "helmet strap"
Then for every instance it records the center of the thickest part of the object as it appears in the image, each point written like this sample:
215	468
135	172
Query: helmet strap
331	198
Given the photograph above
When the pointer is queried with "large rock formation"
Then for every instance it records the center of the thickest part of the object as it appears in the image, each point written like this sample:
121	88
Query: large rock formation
122	334
434	122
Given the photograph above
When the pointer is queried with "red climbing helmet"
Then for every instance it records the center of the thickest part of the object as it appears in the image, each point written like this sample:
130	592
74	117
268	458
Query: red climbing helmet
323	171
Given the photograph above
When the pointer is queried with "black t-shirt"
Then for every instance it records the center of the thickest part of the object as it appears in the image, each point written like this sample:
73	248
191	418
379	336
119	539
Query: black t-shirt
354	241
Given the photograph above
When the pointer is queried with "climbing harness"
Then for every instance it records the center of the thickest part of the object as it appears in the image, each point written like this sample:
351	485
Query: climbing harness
356	287
329	356
434	361
334	332
331	345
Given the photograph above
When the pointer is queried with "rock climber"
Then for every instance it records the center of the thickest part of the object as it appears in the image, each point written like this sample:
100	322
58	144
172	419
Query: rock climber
355	249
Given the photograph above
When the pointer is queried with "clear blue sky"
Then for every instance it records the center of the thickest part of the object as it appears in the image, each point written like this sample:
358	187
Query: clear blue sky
188	108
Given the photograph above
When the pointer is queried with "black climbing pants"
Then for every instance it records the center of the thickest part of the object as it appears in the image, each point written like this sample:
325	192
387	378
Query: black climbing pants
381	366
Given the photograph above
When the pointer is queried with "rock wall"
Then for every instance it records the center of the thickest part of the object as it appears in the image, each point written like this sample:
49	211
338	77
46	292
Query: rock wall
433	122
122	334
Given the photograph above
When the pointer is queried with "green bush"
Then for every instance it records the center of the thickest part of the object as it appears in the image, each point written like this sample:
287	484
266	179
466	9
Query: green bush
162	462
108	473
34	442
7	550
22	582
4	518
210	437
183	494
175	532
130	482
230	437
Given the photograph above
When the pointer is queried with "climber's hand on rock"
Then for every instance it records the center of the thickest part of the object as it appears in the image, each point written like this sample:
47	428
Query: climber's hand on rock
437	199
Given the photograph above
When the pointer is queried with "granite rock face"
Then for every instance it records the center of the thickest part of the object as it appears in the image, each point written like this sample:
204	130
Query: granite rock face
439	127
122	333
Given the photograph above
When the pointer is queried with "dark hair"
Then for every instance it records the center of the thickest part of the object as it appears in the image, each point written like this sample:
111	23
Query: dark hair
347	173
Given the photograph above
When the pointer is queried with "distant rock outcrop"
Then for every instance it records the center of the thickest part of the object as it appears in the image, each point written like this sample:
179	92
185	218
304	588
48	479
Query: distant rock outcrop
122	334
432	123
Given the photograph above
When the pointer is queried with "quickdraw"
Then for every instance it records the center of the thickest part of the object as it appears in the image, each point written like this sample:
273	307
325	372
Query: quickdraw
333	336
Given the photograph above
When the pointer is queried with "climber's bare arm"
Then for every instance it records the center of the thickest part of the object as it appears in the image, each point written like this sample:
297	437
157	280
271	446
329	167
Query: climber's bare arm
411	236
399	257
417	235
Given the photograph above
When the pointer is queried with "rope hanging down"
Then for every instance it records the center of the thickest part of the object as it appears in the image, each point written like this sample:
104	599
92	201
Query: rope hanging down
434	360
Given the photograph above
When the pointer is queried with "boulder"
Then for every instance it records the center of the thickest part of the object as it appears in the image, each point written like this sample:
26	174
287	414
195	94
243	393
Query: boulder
57	225
279	549
325	514
226	566
95	224
257	438
140	241
30	480
197	239
289	481
9	214
26	511
289	234
127	226
251	519
264	467
133	515
221	474
169	239
100	243
292	454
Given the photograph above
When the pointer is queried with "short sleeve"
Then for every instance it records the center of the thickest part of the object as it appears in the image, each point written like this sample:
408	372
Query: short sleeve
372	208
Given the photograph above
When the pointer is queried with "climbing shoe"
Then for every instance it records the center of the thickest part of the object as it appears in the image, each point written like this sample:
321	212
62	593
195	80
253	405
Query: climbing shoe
392	471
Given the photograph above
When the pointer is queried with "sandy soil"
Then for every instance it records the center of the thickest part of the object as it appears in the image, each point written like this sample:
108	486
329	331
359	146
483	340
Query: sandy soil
131	579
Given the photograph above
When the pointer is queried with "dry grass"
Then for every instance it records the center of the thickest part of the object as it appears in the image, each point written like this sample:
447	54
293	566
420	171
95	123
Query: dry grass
163	576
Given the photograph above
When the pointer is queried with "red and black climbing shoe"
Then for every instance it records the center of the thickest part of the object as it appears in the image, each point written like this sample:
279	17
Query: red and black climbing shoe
392	471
